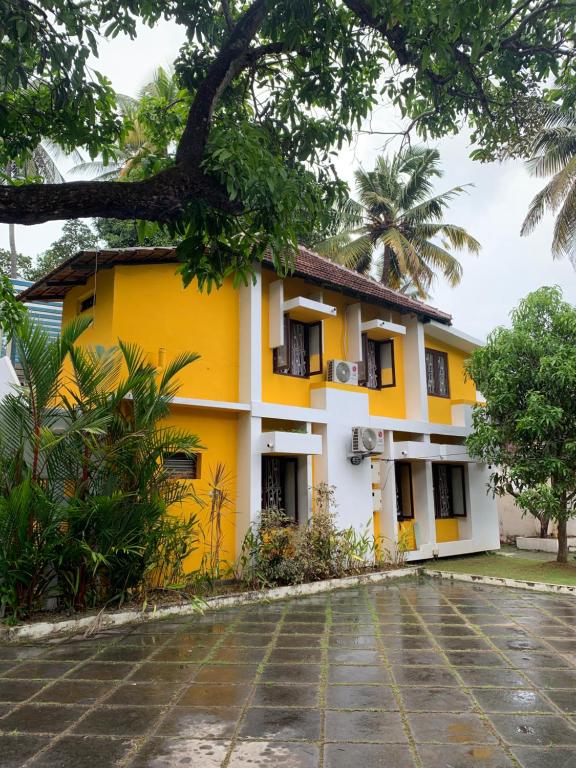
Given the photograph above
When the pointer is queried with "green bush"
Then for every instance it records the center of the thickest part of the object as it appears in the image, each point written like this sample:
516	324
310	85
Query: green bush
85	497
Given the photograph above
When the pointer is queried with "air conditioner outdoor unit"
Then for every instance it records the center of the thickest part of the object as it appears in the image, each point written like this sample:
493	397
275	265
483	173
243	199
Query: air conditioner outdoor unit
367	440
342	372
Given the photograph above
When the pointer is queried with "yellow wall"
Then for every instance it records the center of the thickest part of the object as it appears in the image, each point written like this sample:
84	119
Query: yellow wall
291	390
447	530
153	308
461	389
218	434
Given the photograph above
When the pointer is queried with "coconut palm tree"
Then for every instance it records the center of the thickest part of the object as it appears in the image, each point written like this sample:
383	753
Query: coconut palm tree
41	163
554	154
396	229
135	144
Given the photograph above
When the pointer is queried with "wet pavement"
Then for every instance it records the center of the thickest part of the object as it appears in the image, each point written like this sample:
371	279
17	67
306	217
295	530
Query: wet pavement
416	675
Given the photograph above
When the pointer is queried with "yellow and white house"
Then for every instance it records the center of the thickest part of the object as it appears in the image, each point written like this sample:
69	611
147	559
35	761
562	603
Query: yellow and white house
322	376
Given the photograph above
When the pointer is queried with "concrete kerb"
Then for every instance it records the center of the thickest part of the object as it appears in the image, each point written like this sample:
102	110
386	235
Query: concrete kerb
89	625
497	581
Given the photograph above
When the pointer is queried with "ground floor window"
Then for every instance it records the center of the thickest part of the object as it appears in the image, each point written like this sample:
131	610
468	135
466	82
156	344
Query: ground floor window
404	498
449	490
280	485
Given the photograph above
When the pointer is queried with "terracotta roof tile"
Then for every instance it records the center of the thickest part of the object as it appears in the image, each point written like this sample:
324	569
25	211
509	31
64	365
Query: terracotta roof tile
309	265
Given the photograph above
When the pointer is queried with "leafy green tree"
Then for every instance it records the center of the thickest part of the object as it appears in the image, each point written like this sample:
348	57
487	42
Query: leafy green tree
396	225
23	263
272	88
115	233
555	155
12	311
526	429
76	236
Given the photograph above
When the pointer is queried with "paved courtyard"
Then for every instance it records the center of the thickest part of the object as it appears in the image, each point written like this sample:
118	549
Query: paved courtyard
416	675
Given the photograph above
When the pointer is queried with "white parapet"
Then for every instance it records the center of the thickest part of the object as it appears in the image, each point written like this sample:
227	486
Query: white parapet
291	443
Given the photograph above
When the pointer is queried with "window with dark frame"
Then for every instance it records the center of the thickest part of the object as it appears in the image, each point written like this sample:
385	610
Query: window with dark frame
377	369
449	491
301	353
87	303
182	466
437	373
404	497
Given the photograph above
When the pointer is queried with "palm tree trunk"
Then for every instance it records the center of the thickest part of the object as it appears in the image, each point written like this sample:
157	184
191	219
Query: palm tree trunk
386	266
13	251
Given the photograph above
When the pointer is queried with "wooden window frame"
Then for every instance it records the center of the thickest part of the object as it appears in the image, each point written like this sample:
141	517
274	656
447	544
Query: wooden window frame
285	370
452	515
379	345
86	303
437	354
196	458
398	465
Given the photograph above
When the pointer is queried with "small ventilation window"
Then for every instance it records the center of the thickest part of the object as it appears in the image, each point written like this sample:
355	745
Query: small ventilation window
87	303
183	466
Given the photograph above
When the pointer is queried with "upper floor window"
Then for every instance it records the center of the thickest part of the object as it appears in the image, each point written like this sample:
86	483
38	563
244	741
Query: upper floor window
437	373
301	353
377	369
404	500
449	490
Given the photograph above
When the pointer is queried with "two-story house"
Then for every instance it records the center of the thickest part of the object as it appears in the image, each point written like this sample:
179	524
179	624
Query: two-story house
323	376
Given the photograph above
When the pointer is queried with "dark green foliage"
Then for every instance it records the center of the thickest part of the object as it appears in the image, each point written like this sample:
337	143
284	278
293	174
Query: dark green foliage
11	311
124	234
86	500
23	263
266	93
526	429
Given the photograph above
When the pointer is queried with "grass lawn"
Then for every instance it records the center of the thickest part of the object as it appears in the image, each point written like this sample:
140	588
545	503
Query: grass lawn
525	568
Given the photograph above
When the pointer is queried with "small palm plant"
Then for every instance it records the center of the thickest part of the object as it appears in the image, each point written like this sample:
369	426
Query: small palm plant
396	227
555	155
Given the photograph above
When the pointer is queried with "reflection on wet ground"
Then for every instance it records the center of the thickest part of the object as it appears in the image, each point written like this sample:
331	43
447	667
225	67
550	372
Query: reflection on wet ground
416	675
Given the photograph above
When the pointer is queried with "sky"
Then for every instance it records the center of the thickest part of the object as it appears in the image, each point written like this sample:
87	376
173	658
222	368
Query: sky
508	267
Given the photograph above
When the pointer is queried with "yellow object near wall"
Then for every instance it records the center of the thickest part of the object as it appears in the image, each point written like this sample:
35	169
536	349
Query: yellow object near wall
462	390
406	529
447	530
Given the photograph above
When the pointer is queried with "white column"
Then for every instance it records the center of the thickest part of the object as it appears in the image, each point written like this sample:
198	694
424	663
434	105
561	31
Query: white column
388	516
250	353
249	481
354	333
424	504
415	371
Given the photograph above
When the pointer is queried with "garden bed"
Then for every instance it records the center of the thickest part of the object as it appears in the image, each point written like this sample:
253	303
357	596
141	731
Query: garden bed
40	626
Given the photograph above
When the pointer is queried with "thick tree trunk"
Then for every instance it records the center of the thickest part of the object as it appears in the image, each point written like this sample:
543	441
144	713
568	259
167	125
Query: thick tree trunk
162	198
13	251
544	525
562	541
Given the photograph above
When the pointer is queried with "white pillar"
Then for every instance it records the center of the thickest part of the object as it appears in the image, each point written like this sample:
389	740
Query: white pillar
249	481
250	359
388	516
415	371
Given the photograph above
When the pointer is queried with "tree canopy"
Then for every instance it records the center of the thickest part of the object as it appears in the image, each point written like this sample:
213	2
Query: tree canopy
268	91
527	428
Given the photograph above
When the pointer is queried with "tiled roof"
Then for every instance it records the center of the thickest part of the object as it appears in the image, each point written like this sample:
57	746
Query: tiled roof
309	265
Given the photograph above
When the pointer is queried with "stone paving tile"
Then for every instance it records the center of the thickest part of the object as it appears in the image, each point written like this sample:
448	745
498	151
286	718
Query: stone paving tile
368	756
460	756
421	675
17	748
44	718
73	752
263	754
546	758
